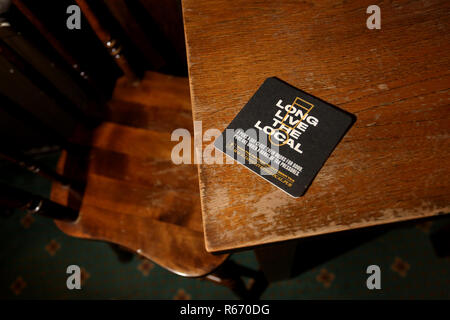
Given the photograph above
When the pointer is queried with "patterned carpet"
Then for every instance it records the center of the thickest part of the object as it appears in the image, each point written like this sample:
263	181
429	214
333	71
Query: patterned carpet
34	256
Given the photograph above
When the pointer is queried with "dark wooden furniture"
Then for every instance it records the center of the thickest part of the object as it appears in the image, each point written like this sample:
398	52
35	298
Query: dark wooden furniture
393	164
134	195
128	191
115	179
58	47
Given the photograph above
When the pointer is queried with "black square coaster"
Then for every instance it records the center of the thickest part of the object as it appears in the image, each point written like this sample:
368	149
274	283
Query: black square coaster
284	135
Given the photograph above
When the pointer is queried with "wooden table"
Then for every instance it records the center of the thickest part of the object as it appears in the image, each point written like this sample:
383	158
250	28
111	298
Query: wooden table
393	165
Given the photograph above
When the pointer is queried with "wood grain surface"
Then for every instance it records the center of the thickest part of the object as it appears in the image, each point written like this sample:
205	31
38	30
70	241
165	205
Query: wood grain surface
393	164
129	192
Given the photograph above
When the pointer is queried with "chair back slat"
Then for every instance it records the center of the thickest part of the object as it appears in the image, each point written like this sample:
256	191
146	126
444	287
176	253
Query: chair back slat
112	44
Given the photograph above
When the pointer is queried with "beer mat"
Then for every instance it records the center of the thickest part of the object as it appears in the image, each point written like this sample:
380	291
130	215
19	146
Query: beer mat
284	135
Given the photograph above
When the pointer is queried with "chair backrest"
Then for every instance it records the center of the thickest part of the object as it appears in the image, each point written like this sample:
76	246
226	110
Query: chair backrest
153	28
73	65
112	44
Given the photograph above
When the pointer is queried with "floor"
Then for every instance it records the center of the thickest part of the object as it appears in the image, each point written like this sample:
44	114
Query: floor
34	256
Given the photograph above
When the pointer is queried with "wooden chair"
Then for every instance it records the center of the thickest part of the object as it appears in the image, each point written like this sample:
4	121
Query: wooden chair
123	183
134	195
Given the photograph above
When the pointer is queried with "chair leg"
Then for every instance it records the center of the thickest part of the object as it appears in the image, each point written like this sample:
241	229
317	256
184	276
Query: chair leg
230	275
440	239
123	254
